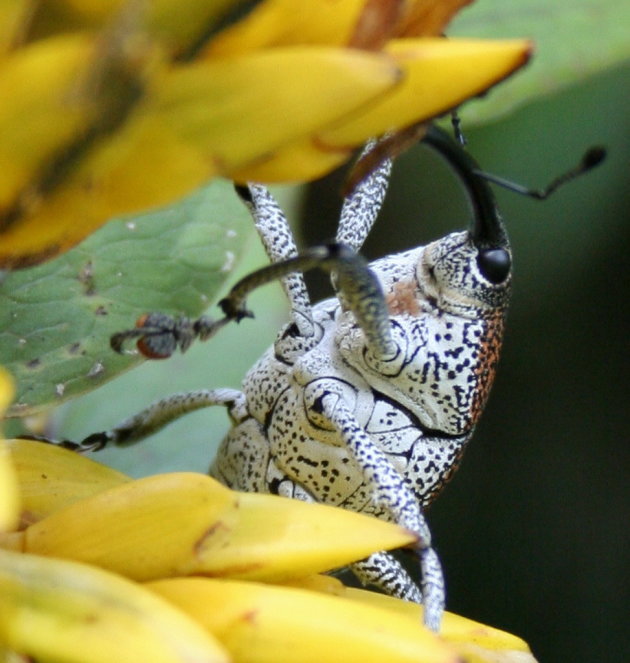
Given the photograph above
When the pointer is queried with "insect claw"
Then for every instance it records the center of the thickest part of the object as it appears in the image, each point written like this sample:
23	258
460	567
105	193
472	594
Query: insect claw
94	442
234	311
158	335
118	340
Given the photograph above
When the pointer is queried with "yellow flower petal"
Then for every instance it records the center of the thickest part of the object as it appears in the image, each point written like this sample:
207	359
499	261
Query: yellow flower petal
185	523
440	74
191	122
39	113
470	638
9	492
237	109
475	642
51	477
301	160
14	16
277	23
177	25
274	23
6	390
56	610
263	624
106	120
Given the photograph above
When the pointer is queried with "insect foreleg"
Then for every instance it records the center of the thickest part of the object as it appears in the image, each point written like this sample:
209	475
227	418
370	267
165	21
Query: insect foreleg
160	335
359	287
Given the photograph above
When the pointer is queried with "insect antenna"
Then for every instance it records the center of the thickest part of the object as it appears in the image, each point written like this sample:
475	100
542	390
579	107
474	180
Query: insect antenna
592	158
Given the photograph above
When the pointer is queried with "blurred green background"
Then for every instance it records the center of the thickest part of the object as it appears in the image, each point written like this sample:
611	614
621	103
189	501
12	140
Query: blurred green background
533	532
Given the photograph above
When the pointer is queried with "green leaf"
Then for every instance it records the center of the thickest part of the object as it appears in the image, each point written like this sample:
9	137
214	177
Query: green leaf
190	443
573	40
56	319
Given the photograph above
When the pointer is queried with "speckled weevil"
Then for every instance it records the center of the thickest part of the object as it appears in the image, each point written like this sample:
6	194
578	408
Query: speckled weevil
366	400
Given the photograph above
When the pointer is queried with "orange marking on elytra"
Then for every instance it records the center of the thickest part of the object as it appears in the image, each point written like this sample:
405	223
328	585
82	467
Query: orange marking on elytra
402	299
489	350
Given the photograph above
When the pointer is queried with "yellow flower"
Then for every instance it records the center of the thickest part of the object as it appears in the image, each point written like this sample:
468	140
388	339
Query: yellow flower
9	494
176	568
111	107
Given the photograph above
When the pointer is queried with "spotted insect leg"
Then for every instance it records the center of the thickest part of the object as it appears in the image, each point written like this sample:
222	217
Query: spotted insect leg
277	239
391	497
387	574
362	205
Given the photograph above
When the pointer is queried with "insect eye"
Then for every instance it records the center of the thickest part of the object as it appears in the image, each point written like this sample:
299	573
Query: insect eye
494	264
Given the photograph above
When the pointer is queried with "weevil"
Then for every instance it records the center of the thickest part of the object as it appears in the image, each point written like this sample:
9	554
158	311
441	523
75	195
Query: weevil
366	400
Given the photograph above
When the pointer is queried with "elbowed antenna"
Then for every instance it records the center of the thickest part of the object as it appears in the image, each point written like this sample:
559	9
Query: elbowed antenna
591	159
488	232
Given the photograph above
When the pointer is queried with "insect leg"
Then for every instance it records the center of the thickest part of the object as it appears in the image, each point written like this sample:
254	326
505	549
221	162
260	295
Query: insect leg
158	415
359	289
390	495
357	283
352	277
362	205
385	572
277	238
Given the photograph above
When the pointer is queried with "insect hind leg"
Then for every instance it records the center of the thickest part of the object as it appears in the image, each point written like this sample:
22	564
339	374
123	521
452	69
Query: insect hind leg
386	573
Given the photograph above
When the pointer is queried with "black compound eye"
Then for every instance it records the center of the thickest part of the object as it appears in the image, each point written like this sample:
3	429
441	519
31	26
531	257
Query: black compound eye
494	264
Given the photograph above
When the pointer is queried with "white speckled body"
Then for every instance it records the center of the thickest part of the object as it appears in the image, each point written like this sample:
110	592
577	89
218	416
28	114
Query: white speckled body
419	407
